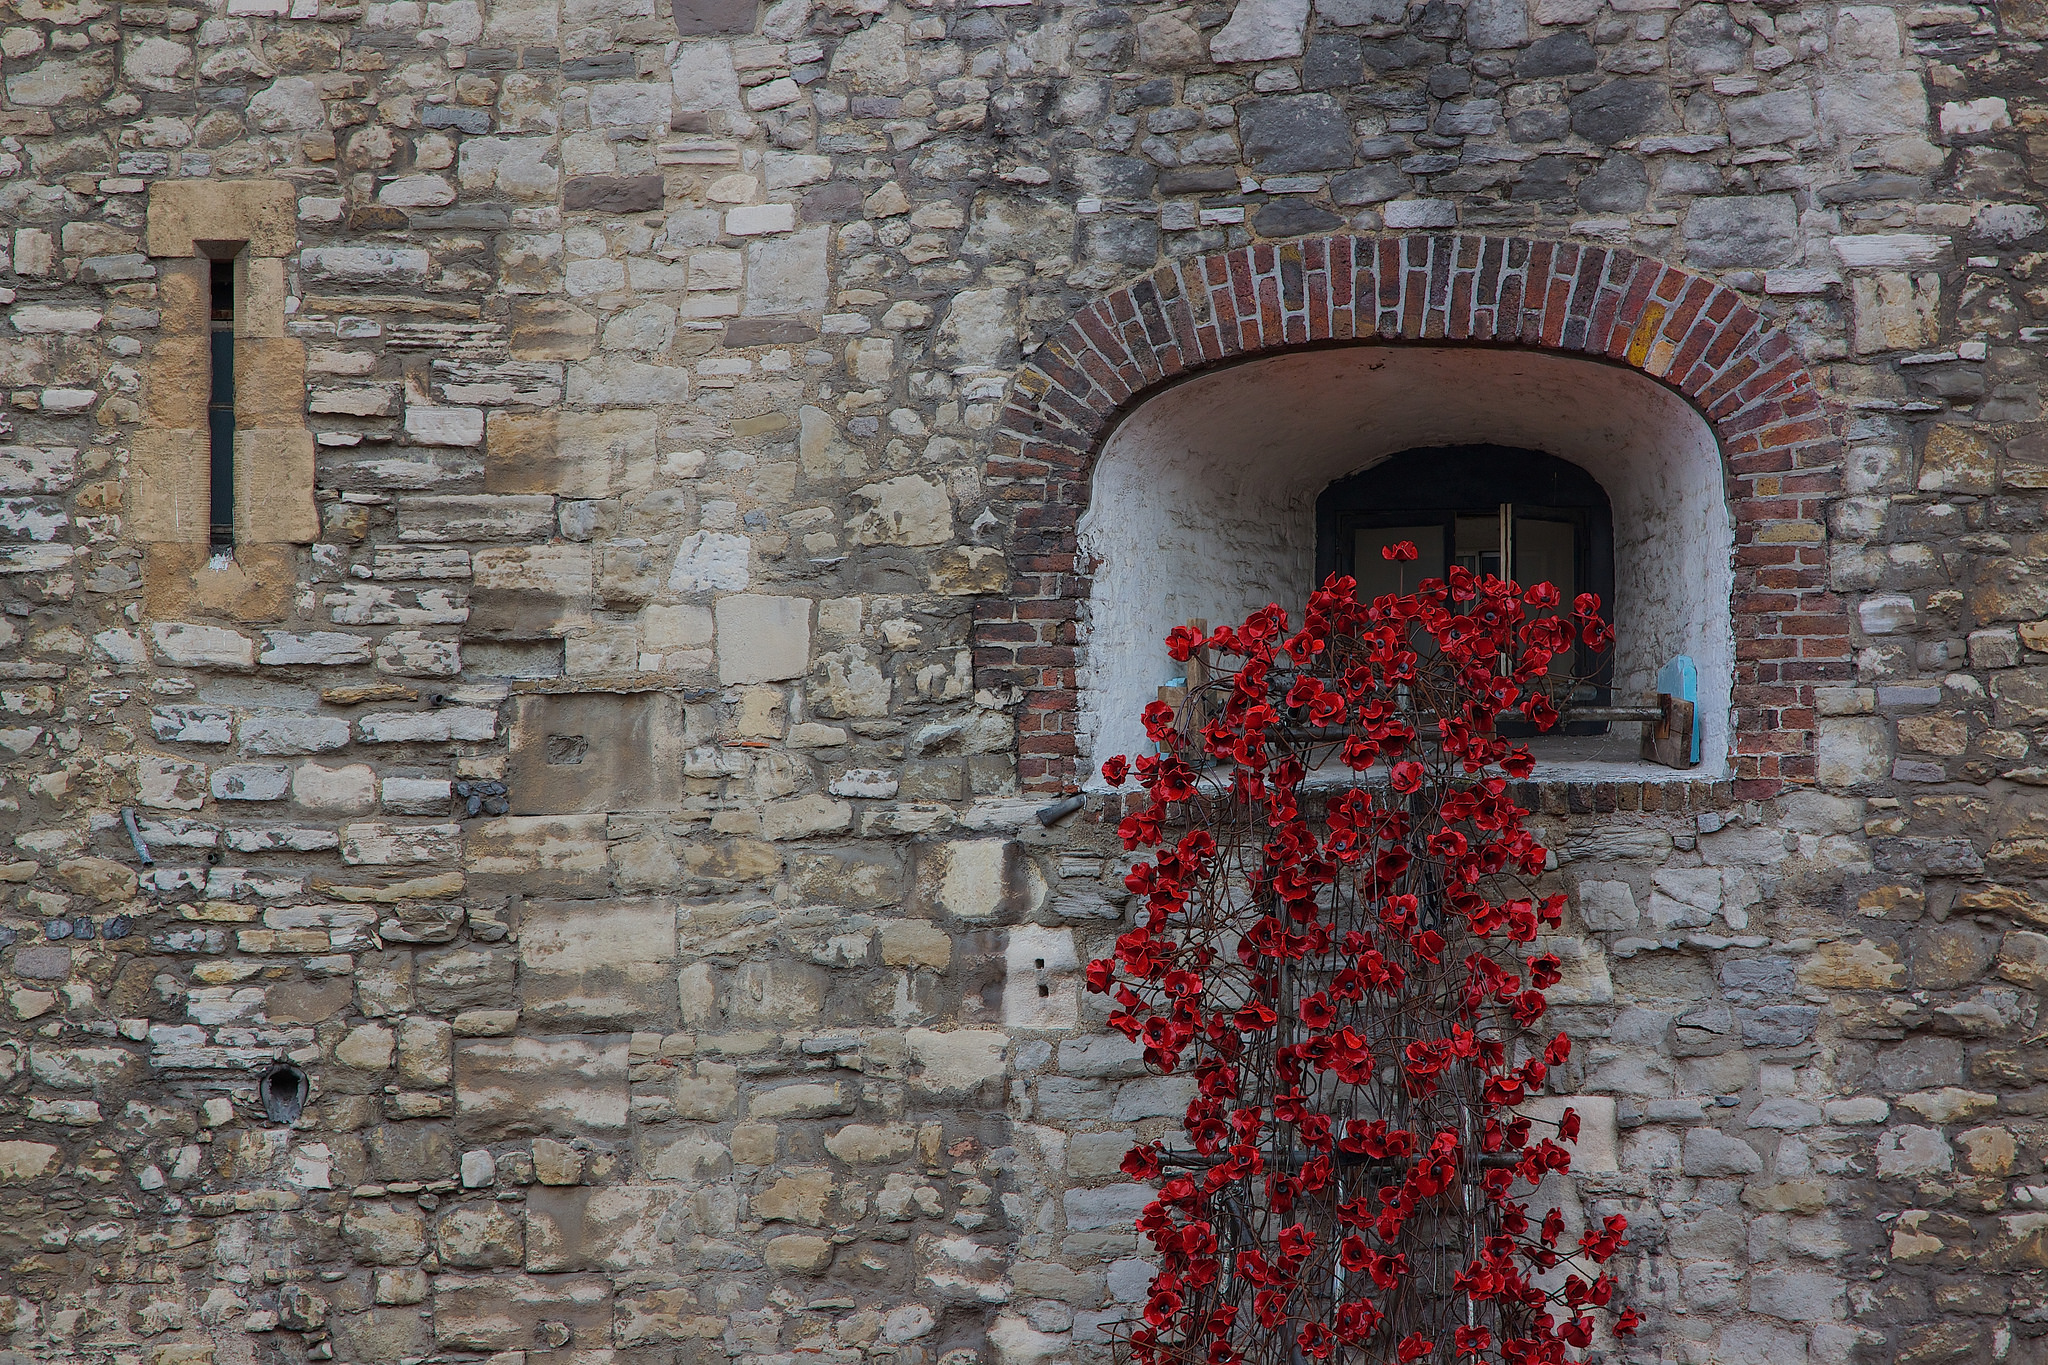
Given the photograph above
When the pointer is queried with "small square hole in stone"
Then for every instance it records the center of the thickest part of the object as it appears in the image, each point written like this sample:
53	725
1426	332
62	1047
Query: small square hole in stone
566	750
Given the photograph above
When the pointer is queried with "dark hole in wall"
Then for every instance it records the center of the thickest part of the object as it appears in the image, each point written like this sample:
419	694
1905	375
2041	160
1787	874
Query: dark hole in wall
283	1092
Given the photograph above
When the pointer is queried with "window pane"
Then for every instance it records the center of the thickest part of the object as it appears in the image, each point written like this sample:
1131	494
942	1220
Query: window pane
1544	554
1378	577
1479	544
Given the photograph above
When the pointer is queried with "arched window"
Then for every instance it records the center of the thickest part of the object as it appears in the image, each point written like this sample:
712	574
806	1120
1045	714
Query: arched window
1248	484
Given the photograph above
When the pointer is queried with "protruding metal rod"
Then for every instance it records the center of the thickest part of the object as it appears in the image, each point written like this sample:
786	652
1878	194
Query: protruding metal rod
1060	810
135	836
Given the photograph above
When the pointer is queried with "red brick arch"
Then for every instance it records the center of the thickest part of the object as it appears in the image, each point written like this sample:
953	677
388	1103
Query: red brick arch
1780	442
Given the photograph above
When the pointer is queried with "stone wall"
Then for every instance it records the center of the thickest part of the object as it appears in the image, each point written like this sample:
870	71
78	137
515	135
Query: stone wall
584	770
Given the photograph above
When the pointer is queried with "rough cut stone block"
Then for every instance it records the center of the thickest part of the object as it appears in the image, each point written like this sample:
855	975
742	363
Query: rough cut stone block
591	964
276	733
601	752
184	645
615	1228
761	638
501	1312
613	193
324	648
540	1086
542	855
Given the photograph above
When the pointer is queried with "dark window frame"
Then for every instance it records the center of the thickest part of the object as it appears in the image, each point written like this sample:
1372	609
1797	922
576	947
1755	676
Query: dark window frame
1443	483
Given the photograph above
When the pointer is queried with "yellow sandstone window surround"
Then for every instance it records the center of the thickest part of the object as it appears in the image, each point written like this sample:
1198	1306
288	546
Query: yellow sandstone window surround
224	241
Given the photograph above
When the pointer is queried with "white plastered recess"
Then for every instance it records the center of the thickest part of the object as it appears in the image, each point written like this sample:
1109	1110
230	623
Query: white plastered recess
1204	506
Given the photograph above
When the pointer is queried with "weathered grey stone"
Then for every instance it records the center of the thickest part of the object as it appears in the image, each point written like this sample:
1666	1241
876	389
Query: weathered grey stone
1742	230
1617	110
1296	133
1261	31
1709	1152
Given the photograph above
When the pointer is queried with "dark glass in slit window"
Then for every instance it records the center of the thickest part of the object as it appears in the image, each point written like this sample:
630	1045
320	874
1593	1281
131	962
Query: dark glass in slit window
220	406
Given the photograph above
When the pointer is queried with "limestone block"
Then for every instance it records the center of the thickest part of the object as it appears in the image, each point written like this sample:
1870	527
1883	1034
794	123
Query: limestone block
799	1253
979	330
480	1236
786	275
263	213
803	1099
1874	103
1607	906
168	486
873	61
710	561
414	795
1742	230
600	752
384	1234
425	1052
384	266
979	880
1854	751
762	638
706	1092
1710	1152
273	734
274	486
499	1312
800	1197
187	645
860	1144
915	943
540	855
801	817
574	454
367	1047
1895	311
443	426
1110	1206
21	1161
614	1228
955	1063
776	991
590	964
1261	31
1041	987
347	790
320	648
540	1086
1910	1150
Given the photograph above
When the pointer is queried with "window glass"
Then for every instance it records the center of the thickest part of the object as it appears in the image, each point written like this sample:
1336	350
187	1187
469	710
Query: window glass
1546	551
1479	544
1378	576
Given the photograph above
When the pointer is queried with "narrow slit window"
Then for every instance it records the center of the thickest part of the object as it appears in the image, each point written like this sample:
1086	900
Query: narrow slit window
220	407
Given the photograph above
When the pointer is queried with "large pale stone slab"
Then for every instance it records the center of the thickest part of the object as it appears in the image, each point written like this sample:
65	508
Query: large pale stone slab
762	638
526	1087
595	963
1261	31
541	855
500	1312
